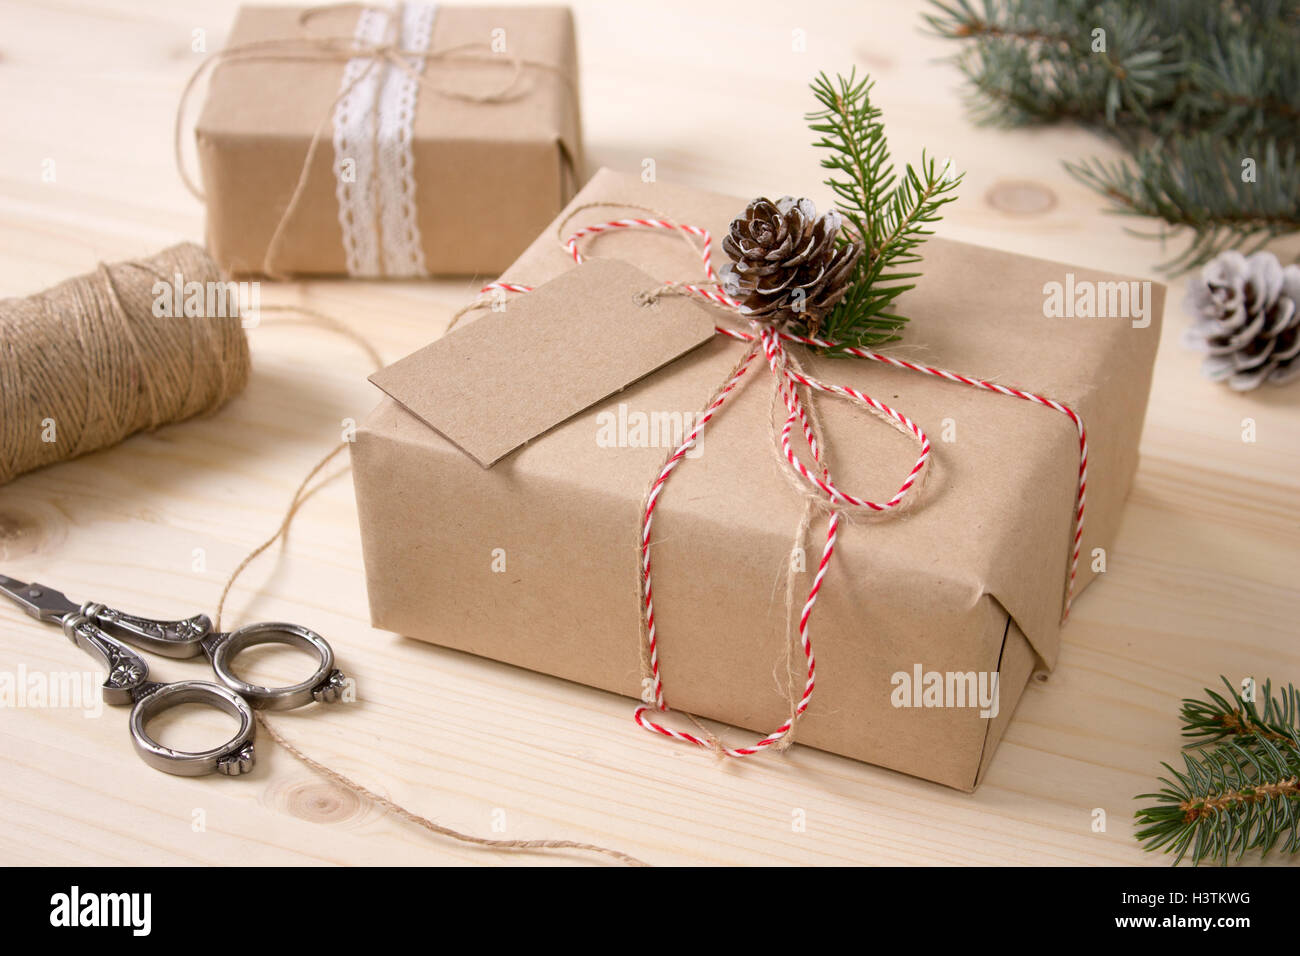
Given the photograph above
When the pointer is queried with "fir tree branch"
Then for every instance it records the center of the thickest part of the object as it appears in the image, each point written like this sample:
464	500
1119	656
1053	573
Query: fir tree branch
1240	786
1182	85
889	213
1229	800
1240	718
1196	184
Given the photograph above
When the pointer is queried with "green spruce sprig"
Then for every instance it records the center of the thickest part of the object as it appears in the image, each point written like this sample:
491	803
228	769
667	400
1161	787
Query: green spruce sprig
1236	716
889	212
1193	183
1240	786
1190	88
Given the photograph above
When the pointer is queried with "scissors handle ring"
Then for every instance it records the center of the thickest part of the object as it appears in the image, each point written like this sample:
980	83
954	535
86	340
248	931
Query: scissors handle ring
320	686
233	757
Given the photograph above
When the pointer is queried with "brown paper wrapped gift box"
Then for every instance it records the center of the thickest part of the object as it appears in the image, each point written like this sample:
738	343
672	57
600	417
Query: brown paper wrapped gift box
970	579
488	176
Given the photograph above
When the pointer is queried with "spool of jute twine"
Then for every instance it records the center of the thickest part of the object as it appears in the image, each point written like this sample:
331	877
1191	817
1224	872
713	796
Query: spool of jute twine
104	355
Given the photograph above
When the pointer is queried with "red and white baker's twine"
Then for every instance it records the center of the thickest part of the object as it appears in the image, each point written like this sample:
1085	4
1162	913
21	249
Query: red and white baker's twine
789	379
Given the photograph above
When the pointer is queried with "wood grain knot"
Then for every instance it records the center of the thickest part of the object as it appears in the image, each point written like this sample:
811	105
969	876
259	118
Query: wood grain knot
1020	197
20	535
874	60
318	801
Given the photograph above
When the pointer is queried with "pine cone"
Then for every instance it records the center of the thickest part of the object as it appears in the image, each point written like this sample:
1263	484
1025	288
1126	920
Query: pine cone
786	265
1247	317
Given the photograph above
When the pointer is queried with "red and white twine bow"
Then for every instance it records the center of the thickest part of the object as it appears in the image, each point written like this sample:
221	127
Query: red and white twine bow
789	379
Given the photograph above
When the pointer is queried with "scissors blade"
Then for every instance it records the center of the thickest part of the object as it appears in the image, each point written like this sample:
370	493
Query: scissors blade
41	602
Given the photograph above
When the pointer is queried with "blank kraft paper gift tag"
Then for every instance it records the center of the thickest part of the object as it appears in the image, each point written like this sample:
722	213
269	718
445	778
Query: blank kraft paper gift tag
504	379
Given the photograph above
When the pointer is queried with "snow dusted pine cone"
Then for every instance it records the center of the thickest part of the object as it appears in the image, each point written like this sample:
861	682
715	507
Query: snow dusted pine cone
1246	313
786	265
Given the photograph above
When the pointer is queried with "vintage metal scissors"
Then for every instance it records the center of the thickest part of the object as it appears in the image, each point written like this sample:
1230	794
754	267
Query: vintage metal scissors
105	632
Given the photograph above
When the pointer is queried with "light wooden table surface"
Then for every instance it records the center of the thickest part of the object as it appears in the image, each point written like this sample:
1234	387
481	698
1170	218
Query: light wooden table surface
1202	580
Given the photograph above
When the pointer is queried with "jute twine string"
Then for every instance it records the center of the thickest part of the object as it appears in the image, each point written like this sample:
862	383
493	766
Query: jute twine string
819	491
785	387
711	290
316	48
303	492
91	355
567	245
90	360
813	503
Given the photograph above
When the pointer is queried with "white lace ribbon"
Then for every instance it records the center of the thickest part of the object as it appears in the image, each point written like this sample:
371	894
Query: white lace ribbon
374	123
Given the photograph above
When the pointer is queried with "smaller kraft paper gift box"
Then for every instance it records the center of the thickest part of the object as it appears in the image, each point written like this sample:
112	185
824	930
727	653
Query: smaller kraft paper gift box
886	598
396	141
